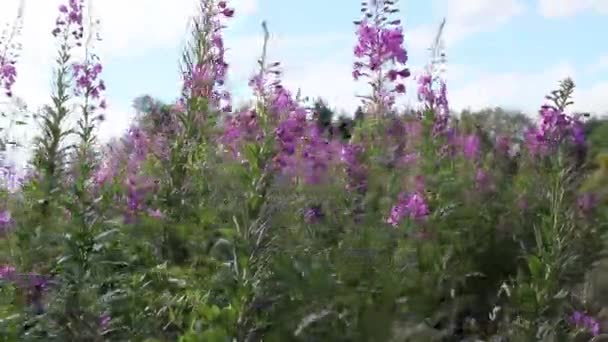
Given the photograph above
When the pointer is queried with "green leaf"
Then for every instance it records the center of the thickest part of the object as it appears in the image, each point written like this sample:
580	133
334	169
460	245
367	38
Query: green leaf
536	267
105	234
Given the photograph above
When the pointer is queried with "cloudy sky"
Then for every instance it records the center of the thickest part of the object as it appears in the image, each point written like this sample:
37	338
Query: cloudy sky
500	52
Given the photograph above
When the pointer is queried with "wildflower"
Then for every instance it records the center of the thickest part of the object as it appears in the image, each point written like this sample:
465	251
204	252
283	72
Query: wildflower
408	159
11	178
503	144
70	21
7	272
470	146
5	221
288	135
434	100
586	202
239	128
8	75
313	214
585	322
356	171
104	321
413	206
318	153
9	53
425	90
137	184
207	76
380	54
483	182
282	101
156	213
102	175
555	127
88	82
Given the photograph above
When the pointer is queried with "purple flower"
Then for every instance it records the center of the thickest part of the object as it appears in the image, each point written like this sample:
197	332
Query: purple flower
483	182
356	171
317	154
69	21
6	221
9	53
88	82
503	144
240	128
8	75
313	214
7	272
11	178
156	213
413	206
425	90
137	185
282	101
380	55
587	202
207	77
555	127
585	322
104	321
470	146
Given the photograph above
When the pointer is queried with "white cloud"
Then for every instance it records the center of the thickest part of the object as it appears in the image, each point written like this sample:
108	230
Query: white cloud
593	98
524	90
566	8
466	17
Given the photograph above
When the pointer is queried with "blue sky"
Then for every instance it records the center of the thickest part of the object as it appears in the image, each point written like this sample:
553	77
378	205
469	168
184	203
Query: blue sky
500	52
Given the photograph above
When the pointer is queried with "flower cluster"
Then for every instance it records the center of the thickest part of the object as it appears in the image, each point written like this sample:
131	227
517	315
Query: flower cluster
380	53
585	322
432	92
11	178
239	128
207	76
317	155
356	170
70	21
6	221
587	202
555	127
288	136
503	145
282	102
313	214
9	52
483	181
105	172
470	146
8	74
267	83
137	184
7	271
88	82
412	205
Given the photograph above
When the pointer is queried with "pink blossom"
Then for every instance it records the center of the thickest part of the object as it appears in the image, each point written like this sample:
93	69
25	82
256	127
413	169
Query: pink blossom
7	271
413	206
380	54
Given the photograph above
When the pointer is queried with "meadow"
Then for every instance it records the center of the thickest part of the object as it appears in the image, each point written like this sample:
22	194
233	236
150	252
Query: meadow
276	221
